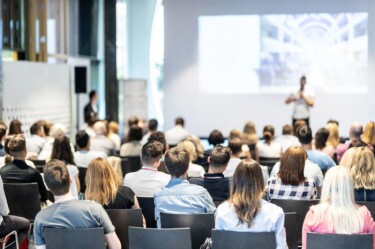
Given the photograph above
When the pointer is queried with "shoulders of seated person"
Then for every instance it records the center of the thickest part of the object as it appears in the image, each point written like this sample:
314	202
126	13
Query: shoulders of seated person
196	180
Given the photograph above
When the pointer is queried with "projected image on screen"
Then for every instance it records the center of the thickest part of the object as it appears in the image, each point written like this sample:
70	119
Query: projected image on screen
268	53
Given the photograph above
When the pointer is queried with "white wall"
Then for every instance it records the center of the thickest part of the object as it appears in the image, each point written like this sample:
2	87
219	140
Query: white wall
204	112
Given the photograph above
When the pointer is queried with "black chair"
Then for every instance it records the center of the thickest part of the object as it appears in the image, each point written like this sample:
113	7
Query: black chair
142	238
62	238
131	164
370	206
40	168
148	210
200	225
269	162
243	240
23	199
39	162
339	241
122	219
291	230
82	178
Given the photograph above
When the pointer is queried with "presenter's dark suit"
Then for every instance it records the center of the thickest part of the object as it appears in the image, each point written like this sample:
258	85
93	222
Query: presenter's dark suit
89	113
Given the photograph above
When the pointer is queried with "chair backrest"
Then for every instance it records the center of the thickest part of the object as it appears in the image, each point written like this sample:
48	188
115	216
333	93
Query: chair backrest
148	210
61	238
150	238
82	178
291	230
370	206
132	164
339	241
39	162
269	162
243	240
200	225
122	219
23	199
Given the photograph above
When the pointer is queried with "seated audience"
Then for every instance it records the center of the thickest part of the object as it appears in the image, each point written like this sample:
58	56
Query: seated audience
15	128
290	182
215	138
159	136
201	157
83	156
337	212
56	131
148	180
115	163
100	142
113	134
133	145
287	139
152	127
321	138
195	170
177	133
269	148
179	196
246	211
368	135
67	212
235	146
214	181
3	132
355	133
18	171
334	137
324	161
62	151
103	186
35	143
250	138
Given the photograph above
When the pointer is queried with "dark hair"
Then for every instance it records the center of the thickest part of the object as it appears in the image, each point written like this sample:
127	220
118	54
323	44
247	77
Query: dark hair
357	143
220	156
153	125
321	137
287	129
333	121
303	77
292	165
159	137
297	125
179	121
92	94
47	126
16	144
304	135
82	139
133	120
15	127
62	150
177	161
235	145
215	138
135	133
3	131
152	152
56	177
36	127
357	131
268	133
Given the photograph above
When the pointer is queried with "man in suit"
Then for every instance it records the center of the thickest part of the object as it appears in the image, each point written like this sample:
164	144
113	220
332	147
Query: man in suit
91	109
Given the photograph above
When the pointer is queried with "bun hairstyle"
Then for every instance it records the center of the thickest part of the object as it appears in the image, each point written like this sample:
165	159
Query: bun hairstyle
268	133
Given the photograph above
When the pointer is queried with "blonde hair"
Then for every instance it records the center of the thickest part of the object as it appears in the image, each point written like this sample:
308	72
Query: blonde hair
101	182
337	207
190	148
250	133
197	143
235	134
115	162
368	135
361	164
333	138
113	127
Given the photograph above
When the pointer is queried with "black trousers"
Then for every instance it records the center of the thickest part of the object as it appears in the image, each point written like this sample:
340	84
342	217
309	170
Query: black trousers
11	223
307	120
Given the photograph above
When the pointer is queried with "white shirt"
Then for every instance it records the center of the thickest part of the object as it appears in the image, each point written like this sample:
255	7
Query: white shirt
145	138
46	152
35	144
312	171
301	108
116	140
272	150
102	143
146	181
270	218
196	170
73	172
176	135
232	166
133	148
84	157
287	141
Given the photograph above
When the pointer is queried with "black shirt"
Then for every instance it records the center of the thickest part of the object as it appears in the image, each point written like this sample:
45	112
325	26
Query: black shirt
216	184
19	172
123	200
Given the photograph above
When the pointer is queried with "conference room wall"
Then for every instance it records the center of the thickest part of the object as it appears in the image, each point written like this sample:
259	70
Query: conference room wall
203	112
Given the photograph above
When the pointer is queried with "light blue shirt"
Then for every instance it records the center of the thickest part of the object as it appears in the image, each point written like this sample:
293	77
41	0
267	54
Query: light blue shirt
181	197
324	161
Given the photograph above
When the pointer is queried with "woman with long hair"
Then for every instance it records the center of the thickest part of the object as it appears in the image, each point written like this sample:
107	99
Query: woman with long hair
133	145
195	170
368	135
246	211
250	137
104	187
15	128
63	151
333	138
337	212
321	138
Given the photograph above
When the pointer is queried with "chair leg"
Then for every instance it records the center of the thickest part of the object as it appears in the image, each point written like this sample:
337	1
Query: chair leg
13	233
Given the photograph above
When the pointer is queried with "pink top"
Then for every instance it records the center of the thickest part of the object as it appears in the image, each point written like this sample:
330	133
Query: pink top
329	150
309	226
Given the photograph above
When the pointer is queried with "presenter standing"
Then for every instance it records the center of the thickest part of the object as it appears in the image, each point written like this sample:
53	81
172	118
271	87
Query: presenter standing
91	109
303	99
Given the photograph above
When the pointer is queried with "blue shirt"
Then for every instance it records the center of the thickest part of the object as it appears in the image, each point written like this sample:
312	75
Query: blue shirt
324	161
181	197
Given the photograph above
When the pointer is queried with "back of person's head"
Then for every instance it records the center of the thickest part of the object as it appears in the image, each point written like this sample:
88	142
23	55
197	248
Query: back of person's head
179	121
292	166
152	152
92	94
249	128
333	138
235	134
215	138
135	133
190	148
268	133
356	130
304	135
287	129
339	210
113	127
153	125
57	130
160	137
321	137
17	145
368	135
220	157
247	190
101	182
3	132
47	126
62	150
198	145
100	128
297	125
15	127
177	161
56	177
82	139
235	146
133	120
333	121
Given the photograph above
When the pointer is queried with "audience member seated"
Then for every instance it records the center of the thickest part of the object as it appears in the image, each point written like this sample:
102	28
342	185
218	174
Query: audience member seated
133	145
179	196
368	135
152	128
62	151
337	212
3	132
269	148
195	170
115	163
215	138
35	143
113	134
148	180
355	133
177	133
250	138
321	137
100	142
361	165
287	139
103	186
246	211
8	158
56	131
199	150
67	212
290	182
159	136
235	146
245	148
324	161
214	181
18	171
334	137
15	128
83	156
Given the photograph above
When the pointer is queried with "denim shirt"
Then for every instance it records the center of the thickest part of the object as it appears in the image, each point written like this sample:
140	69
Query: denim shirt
181	197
